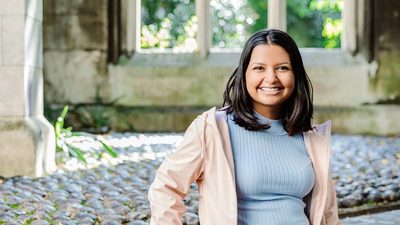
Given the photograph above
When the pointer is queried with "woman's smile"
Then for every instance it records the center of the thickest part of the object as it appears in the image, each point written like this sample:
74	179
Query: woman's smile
270	90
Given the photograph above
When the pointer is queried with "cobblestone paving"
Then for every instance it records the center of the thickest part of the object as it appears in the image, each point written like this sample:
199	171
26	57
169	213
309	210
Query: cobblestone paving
389	218
113	190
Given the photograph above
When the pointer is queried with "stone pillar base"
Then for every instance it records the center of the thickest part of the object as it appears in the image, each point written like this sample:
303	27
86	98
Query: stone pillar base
27	146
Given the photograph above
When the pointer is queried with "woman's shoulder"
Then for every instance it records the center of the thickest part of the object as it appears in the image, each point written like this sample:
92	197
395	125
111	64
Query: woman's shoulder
211	118
323	128
213	114
208	116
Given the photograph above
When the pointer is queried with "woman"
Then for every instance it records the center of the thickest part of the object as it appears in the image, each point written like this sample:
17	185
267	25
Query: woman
258	160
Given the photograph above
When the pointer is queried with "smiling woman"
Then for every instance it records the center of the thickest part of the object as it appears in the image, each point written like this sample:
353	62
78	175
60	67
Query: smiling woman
257	159
269	79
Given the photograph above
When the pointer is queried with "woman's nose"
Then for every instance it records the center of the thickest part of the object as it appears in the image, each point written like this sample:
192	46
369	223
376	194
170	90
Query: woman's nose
270	76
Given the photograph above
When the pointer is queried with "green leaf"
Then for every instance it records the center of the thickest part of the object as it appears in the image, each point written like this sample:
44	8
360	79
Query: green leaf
59	125
108	149
77	153
64	112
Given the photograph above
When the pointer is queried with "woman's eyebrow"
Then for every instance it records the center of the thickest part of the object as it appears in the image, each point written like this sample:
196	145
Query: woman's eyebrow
282	63
263	64
258	63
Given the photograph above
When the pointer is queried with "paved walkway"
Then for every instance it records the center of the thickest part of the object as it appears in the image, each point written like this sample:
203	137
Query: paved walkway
113	191
391	217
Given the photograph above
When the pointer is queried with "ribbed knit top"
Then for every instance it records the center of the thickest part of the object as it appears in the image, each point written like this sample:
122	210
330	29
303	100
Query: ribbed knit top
273	174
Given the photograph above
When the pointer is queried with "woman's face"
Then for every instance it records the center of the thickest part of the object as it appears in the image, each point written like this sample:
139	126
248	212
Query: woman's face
269	79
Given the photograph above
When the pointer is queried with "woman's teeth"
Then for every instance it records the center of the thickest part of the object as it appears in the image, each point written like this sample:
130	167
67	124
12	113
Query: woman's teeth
270	89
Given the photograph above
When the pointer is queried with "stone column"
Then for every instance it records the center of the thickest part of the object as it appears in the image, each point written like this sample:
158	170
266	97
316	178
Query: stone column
27	141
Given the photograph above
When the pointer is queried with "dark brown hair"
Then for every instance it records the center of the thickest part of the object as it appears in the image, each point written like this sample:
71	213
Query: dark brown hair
296	112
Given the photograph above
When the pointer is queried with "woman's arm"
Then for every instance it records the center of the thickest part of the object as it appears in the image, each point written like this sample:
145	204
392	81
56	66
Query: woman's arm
174	177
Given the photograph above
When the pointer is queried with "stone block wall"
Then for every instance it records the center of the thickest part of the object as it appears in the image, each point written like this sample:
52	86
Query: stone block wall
386	29
12	58
75	50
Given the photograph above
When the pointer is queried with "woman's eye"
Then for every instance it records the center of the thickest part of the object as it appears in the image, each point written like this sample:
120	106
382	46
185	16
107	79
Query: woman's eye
282	68
258	68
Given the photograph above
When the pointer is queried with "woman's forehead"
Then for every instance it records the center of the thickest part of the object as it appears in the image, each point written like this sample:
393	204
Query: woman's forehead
267	52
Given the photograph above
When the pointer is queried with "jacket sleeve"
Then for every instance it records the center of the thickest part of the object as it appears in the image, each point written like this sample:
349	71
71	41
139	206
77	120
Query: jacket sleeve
174	177
331	207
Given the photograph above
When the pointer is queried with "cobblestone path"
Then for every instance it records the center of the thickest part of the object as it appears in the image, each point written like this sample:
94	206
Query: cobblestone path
389	218
114	190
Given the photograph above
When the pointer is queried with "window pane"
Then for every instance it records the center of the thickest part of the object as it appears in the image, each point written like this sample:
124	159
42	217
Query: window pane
168	24
233	21
315	23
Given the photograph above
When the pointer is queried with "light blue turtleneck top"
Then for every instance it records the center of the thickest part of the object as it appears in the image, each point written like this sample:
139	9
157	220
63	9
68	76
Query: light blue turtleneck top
273	174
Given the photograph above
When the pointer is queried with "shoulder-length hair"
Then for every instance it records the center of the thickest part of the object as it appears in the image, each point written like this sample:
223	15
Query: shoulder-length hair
296	111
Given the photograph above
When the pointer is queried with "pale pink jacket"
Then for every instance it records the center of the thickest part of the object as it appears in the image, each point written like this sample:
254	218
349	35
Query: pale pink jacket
205	157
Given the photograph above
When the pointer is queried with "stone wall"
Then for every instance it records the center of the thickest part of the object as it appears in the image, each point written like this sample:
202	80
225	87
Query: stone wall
174	88
75	50
386	27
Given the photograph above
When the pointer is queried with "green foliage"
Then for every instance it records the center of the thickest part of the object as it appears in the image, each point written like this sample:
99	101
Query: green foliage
173	24
68	149
15	205
168	23
231	23
28	222
315	23
261	9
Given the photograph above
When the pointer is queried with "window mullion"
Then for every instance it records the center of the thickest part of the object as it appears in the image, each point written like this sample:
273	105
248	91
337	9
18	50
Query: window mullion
133	30
204	27
349	26
277	14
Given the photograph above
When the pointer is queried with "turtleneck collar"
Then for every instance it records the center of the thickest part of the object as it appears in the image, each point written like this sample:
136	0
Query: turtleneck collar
276	125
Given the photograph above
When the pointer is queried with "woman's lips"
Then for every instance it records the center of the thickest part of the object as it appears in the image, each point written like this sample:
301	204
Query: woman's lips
270	90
